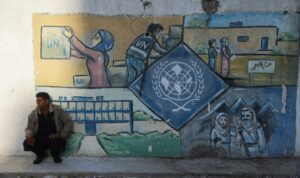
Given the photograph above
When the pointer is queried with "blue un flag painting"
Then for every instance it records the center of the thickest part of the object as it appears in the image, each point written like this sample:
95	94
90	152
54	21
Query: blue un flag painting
178	86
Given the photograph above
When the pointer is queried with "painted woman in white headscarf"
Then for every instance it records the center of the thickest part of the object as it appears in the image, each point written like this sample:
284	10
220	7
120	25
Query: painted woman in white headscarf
96	56
220	134
250	133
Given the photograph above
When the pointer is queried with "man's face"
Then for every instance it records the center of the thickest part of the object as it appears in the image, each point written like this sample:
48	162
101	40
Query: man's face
246	116
157	34
214	44
227	42
41	102
223	121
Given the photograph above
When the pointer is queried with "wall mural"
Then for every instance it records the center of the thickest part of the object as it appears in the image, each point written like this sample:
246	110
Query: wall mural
219	85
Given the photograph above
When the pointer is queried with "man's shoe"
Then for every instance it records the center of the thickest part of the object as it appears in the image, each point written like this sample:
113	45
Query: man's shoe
57	159
38	160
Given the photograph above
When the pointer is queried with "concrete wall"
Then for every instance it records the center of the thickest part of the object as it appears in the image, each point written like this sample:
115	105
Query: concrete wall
17	51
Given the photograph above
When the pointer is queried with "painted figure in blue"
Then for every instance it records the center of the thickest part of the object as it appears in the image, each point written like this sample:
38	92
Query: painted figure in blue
139	51
250	133
220	134
212	53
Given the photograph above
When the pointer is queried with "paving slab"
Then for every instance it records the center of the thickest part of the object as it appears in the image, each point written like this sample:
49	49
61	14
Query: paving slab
84	167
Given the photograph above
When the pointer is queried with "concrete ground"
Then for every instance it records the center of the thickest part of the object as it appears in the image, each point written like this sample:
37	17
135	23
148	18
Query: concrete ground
83	167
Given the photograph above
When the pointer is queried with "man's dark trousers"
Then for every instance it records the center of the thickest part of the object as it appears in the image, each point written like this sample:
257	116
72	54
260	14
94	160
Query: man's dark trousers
41	144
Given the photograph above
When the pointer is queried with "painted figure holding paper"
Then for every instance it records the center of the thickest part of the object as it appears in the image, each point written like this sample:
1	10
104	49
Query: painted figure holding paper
96	55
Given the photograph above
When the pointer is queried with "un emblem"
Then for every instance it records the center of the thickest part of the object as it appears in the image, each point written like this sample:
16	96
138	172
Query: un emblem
178	83
178	86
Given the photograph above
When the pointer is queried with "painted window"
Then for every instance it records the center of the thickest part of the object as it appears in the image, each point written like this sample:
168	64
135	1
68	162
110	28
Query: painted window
242	38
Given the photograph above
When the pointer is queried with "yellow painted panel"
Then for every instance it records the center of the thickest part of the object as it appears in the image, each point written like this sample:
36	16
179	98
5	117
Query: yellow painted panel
286	70
60	72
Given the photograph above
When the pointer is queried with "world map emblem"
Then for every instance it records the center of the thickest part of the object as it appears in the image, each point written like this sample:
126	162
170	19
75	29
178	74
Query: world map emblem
178	86
178	82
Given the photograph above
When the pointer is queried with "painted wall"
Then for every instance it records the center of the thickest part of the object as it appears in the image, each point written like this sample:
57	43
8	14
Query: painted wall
124	30
235	96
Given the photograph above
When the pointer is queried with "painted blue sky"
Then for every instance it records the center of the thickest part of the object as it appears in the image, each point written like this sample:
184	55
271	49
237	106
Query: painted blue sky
285	22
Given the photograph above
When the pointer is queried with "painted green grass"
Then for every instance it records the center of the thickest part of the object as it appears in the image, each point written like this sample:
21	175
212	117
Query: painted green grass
143	116
73	144
153	144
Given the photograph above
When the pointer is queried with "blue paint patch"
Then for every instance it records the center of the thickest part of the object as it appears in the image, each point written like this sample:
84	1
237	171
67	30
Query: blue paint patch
178	86
280	127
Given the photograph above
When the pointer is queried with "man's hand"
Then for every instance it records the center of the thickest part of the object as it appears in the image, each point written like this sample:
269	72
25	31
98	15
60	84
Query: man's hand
30	140
68	32
219	144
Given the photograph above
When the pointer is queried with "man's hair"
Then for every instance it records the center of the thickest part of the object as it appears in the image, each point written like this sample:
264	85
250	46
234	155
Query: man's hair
154	27
43	95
